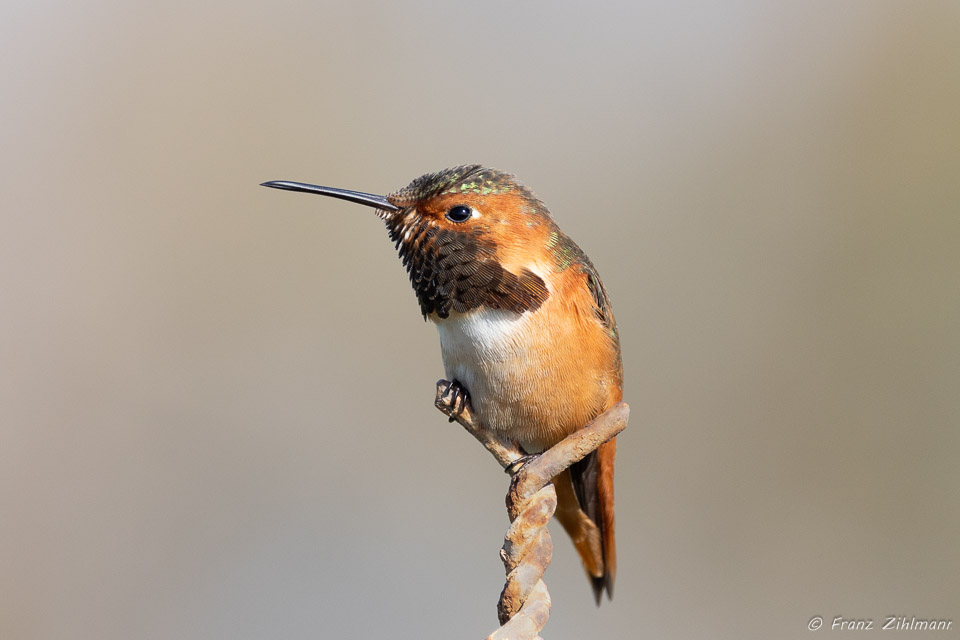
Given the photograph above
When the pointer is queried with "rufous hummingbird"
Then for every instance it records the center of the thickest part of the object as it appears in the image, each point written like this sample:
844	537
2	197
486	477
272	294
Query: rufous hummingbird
526	328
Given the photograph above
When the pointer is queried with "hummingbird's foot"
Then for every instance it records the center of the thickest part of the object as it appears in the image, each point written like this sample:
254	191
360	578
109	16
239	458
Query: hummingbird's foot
517	464
459	398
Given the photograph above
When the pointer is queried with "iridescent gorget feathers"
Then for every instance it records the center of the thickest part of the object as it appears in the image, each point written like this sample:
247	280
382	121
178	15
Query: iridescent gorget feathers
458	269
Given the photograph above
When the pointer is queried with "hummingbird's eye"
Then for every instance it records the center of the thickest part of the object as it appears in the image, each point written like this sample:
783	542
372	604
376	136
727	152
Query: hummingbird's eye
459	213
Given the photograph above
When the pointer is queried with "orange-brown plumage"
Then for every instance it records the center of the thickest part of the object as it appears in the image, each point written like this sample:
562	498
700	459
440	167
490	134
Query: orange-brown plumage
526	327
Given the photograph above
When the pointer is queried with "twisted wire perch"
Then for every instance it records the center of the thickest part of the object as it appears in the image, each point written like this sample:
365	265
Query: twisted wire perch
524	604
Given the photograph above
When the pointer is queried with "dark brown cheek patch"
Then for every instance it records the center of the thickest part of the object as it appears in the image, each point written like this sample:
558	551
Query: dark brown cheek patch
455	270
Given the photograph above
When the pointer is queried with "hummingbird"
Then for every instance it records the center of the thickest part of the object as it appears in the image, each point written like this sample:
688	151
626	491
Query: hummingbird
527	333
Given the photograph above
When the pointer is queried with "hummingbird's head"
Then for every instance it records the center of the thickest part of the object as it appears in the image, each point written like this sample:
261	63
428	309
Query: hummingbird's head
469	236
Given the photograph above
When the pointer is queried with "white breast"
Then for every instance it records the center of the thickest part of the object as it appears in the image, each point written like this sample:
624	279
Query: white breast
484	350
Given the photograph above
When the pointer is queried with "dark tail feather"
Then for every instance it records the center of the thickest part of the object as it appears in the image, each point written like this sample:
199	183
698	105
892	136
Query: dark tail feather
585	509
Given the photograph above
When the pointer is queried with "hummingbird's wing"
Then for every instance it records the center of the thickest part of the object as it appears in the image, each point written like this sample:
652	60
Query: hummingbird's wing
596	480
604	312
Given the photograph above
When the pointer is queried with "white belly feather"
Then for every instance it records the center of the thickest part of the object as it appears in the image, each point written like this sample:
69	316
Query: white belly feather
485	350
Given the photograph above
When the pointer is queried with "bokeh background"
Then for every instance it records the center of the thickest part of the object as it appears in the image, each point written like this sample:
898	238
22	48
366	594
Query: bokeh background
216	409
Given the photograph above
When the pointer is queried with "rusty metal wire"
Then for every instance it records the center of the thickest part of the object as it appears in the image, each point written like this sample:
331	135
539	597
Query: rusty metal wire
527	548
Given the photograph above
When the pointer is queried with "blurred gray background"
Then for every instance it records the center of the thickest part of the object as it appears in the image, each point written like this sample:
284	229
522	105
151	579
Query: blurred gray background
216	409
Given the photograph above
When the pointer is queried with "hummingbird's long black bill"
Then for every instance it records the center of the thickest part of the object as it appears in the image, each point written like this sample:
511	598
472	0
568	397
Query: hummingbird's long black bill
369	199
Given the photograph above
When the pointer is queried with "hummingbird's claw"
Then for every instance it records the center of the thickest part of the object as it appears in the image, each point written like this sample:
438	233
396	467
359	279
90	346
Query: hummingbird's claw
458	399
517	464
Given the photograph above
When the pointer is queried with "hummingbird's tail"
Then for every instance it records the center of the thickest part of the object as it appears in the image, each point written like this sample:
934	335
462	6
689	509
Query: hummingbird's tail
585	509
